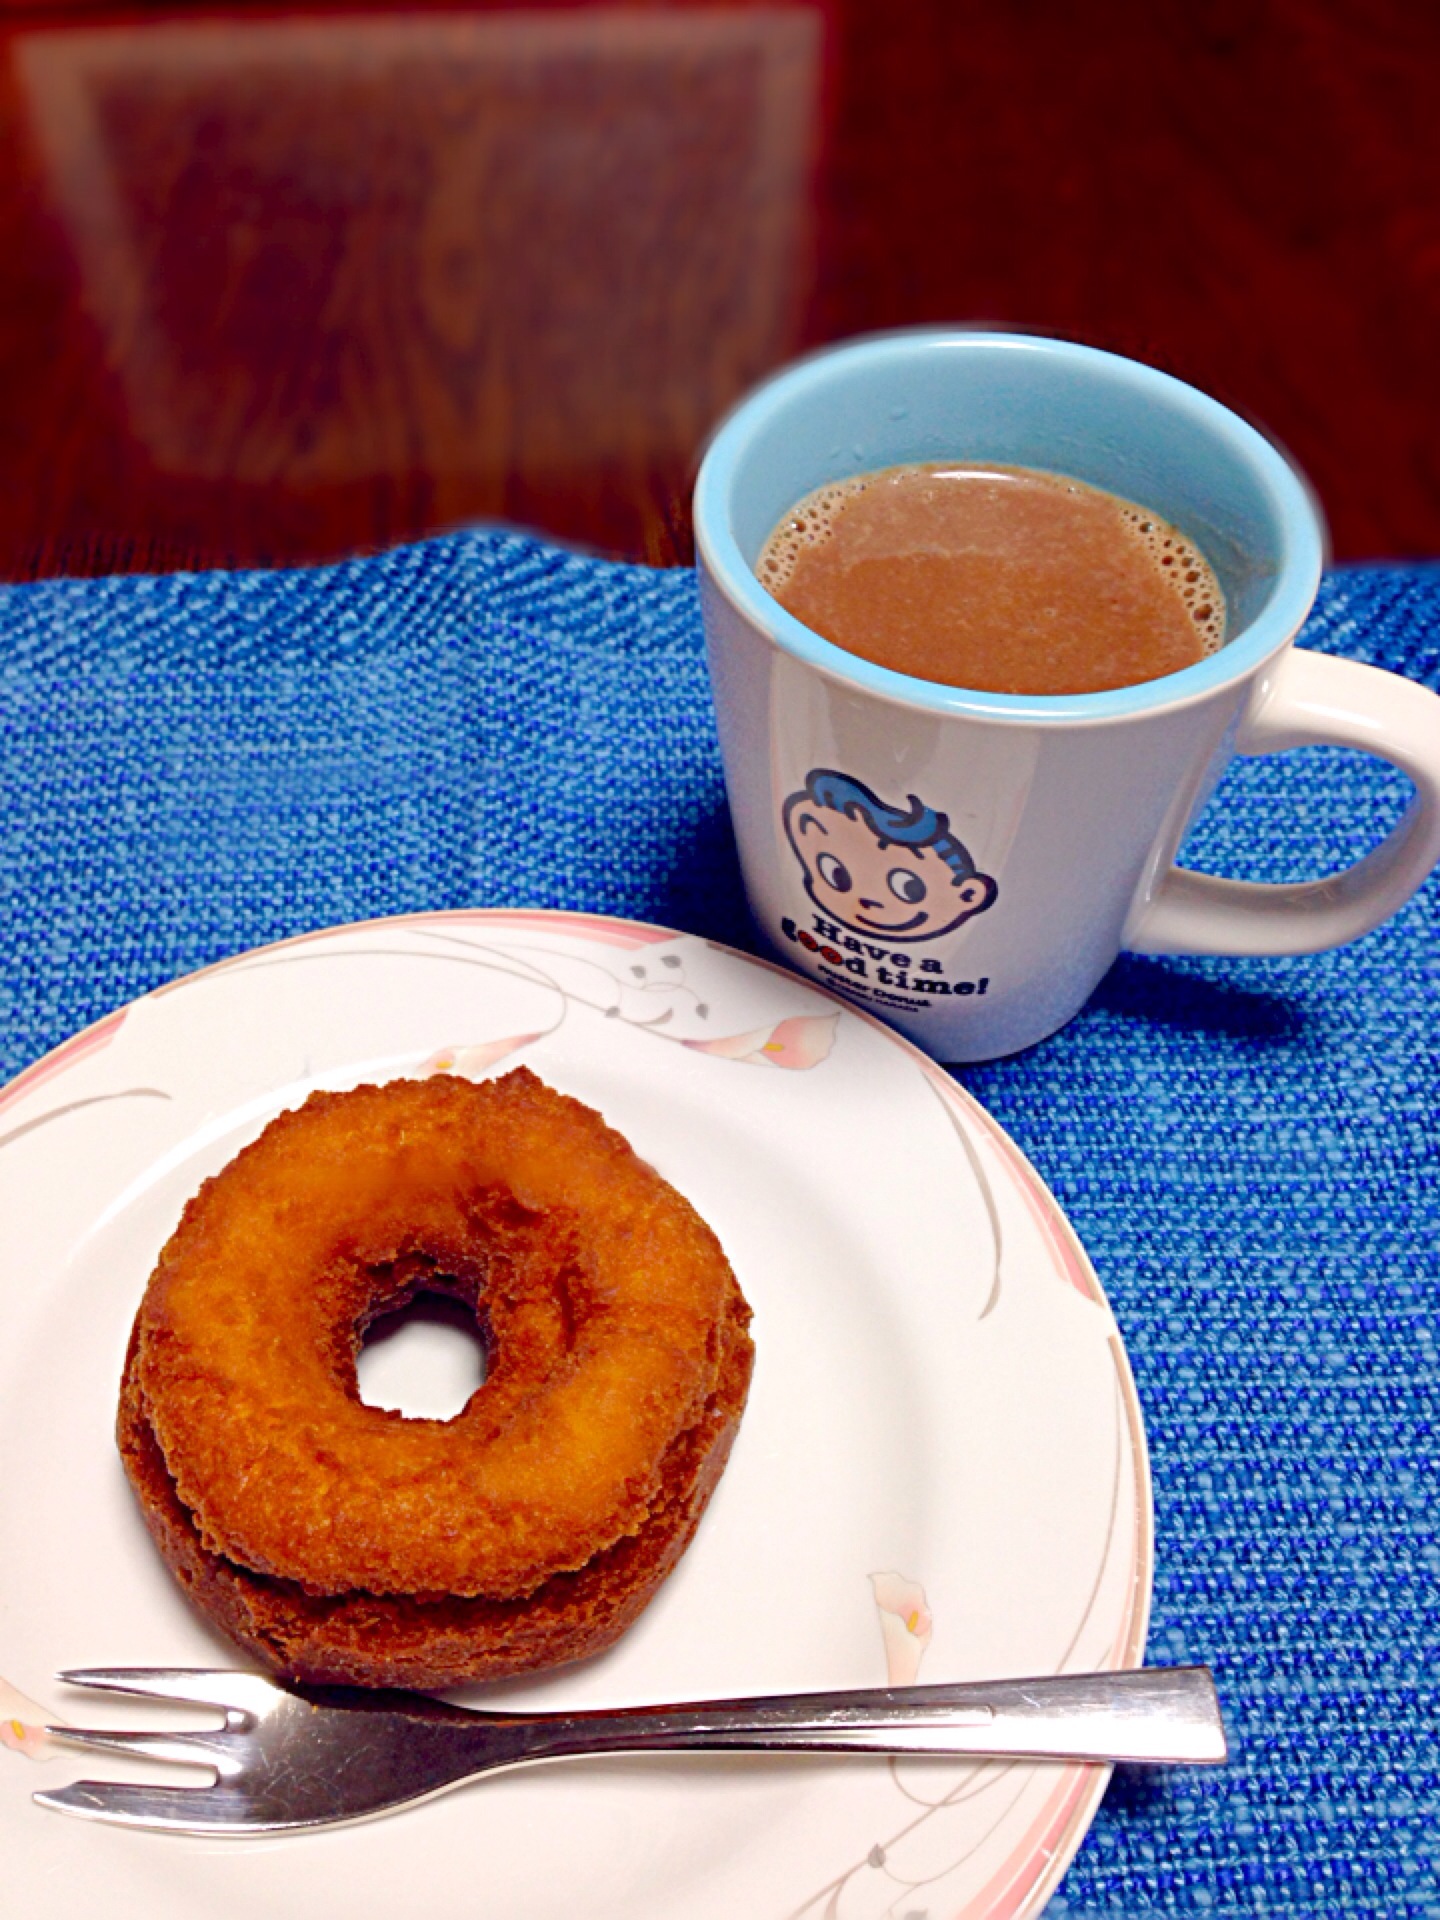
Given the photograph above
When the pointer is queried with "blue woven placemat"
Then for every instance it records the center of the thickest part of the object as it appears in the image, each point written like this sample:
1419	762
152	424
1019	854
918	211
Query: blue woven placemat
193	765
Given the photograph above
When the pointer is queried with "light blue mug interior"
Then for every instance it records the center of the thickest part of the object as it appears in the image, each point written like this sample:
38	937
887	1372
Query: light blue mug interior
1019	401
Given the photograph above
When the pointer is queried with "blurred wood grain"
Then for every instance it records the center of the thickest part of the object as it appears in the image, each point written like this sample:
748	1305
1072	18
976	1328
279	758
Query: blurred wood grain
277	289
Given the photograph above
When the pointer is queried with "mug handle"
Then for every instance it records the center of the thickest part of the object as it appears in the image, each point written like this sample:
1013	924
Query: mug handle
1315	700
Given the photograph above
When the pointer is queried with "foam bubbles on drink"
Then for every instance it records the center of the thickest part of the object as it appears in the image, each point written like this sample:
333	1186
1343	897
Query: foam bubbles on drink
1185	569
807	525
1179	562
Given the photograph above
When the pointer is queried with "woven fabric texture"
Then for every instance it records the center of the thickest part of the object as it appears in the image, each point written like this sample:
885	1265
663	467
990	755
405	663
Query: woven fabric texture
196	764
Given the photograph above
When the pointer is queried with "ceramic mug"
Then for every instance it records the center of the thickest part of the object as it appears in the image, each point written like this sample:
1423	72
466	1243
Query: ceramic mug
1041	830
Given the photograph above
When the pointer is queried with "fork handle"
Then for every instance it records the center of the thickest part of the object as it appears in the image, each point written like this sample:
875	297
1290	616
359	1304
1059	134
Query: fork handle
1158	1715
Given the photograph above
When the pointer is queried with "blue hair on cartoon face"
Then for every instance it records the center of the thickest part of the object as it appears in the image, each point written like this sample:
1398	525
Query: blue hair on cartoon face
921	826
852	870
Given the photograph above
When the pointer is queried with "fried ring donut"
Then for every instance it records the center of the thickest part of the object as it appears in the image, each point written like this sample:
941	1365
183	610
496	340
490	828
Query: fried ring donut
342	1541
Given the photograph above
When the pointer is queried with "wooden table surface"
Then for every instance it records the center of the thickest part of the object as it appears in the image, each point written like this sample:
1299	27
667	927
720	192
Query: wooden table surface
279	288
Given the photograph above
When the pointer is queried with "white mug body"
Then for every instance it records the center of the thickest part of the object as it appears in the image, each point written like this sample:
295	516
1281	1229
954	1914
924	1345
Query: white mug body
967	865
1069	827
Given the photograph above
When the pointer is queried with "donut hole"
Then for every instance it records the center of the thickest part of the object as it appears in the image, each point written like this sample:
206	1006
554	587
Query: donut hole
424	1359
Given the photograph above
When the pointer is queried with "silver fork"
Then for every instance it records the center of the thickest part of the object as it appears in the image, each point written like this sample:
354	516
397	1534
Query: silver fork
293	1758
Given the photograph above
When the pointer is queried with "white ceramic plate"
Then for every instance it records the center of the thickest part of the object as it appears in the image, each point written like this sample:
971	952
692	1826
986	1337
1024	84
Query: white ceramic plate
941	1473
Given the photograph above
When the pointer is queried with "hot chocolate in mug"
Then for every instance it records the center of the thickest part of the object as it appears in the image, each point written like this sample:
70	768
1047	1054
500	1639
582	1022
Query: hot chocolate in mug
967	865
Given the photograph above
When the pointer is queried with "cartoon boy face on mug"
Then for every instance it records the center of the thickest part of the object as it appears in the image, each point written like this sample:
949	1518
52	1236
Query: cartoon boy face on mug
880	869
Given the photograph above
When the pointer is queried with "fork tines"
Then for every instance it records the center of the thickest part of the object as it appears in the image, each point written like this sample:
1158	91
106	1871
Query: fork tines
131	1803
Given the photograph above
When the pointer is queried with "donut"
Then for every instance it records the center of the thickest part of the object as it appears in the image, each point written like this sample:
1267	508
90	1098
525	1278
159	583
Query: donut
344	1543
